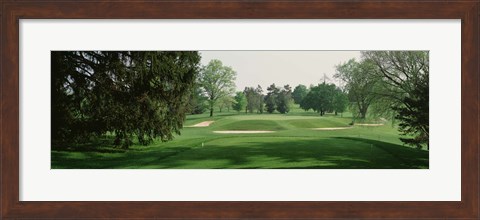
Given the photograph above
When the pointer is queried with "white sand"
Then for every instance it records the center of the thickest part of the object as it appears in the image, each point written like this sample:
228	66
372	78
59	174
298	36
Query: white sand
242	132
331	129
369	124
201	124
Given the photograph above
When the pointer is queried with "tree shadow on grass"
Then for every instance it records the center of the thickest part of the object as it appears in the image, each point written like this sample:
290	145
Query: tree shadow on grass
259	153
329	153
407	155
95	160
98	146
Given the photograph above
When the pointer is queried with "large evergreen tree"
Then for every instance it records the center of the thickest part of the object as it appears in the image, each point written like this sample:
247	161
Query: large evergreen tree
284	99
127	93
271	98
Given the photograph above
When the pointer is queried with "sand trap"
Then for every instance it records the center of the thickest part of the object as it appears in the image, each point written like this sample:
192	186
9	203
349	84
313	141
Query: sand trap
369	124
331	129
201	124
242	132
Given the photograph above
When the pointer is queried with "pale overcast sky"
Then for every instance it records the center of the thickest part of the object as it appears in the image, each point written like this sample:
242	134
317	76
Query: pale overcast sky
280	67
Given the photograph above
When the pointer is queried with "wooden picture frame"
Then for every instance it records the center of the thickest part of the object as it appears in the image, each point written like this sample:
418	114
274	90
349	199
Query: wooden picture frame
12	11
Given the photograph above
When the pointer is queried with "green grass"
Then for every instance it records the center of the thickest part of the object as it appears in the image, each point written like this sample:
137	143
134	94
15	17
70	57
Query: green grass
293	145
252	125
317	123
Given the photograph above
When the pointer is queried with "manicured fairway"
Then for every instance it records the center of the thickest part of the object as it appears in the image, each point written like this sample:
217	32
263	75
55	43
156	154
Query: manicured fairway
293	144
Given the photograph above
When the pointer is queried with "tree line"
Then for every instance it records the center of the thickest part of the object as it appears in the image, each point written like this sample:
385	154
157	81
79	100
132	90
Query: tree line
216	89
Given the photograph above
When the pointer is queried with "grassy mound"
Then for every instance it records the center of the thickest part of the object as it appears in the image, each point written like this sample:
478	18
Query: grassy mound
316	123
247	125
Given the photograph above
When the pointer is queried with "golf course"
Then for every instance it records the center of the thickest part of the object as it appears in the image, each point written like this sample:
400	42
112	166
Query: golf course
299	139
240	110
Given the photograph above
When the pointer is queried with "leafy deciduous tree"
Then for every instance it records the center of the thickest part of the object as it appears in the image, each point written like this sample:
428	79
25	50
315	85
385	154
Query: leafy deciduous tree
217	81
340	101
255	99
225	102
240	102
320	98
197	103
359	84
260	99
299	93
404	76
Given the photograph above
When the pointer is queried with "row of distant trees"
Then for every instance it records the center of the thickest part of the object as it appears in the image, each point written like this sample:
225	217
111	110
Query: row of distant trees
322	98
250	100
253	100
215	88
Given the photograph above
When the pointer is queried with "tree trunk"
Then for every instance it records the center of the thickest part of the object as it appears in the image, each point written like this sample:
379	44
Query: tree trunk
363	113
211	111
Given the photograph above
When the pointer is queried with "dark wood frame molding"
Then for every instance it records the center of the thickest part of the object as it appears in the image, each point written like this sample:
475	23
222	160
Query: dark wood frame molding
11	11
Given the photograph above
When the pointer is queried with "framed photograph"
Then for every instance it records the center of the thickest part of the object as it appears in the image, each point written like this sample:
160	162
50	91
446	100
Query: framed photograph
212	109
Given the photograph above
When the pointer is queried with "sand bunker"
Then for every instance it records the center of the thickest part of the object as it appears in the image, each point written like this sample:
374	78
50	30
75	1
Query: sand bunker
369	124
242	132
201	124
331	129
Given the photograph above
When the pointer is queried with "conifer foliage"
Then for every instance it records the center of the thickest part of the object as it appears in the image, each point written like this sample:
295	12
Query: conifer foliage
142	94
